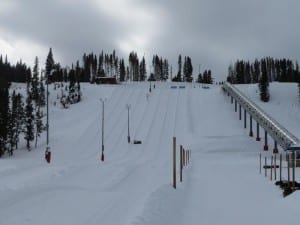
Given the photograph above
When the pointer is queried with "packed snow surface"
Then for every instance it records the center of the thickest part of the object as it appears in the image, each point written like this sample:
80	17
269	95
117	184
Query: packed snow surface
133	186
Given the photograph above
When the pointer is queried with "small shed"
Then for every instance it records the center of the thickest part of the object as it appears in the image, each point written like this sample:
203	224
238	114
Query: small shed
296	150
106	80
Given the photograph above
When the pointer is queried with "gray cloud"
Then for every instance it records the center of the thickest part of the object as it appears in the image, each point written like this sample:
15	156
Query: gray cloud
213	32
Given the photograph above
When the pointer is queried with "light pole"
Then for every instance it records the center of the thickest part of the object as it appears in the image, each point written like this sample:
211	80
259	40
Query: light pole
128	106
150	78
102	153
48	152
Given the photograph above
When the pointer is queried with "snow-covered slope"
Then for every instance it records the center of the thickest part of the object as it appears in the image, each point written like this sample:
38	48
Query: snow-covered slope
133	185
283	105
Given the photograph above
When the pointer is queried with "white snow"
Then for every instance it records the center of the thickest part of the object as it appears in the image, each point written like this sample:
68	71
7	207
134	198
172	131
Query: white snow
133	186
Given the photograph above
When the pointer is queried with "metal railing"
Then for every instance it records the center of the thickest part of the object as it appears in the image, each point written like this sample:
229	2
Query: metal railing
283	137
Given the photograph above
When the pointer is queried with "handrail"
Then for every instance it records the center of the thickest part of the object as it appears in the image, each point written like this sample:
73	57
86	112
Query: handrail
280	134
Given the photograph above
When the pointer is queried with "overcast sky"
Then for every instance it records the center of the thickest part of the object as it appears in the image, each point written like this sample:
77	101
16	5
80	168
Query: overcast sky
214	33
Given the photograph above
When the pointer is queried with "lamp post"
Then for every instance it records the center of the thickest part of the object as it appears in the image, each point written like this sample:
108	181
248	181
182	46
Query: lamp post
128	106
102	149
150	78
48	152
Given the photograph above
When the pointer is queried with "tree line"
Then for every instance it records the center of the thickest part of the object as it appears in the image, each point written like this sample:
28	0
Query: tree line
246	72
21	116
94	66
264	71
14	73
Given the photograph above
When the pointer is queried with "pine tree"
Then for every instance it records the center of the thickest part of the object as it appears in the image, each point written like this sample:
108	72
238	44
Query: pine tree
209	77
256	71
13	134
205	77
200	78
29	121
49	66
35	82
264	83
178	77
42	93
11	131
122	70
72	78
165	67
4	114
143	70
18	113
134	66
188	69
39	126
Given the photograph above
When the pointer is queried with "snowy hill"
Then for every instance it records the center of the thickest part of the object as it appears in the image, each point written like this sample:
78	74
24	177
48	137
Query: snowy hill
133	186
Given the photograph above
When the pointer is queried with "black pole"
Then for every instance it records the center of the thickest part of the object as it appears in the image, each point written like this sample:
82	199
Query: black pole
128	108
245	118
257	132
235	105
102	126
47	152
266	141
251	131
102	150
275	150
47	112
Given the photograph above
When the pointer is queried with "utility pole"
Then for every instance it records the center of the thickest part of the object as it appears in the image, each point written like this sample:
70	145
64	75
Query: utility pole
48	152
128	106
102	149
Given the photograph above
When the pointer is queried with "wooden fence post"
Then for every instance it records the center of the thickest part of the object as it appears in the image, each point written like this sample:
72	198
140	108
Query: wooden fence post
259	163
265	166
186	157
183	157
271	175
174	162
280	167
275	169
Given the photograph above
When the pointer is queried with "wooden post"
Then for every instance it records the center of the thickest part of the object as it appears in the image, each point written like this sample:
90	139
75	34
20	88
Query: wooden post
259	163
174	162
265	166
186	157
280	167
187	154
275	169
181	162
183	157
271	174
